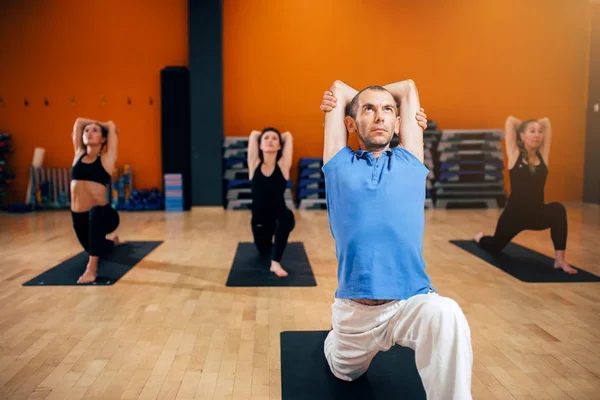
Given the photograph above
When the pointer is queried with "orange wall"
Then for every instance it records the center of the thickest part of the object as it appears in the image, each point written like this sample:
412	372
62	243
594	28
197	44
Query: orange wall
474	62
87	49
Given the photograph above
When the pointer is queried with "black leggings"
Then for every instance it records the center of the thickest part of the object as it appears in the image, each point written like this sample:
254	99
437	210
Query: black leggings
92	227
513	221
280	227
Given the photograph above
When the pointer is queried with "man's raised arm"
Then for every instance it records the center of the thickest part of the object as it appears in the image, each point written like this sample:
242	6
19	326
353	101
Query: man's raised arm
336	100
411	134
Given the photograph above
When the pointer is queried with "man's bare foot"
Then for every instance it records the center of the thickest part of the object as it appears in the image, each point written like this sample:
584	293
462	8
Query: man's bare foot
89	275
562	264
277	270
478	237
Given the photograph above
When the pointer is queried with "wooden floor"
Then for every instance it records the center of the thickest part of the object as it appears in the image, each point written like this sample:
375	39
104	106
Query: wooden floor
170	329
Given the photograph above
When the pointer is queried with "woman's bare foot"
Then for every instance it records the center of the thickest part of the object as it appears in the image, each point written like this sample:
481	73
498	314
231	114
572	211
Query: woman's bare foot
277	270
91	271
562	264
478	237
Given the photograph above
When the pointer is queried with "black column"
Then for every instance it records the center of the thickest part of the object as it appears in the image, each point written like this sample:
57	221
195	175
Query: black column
206	101
175	126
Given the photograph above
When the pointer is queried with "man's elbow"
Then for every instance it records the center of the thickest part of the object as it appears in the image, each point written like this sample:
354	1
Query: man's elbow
406	90
337	85
412	86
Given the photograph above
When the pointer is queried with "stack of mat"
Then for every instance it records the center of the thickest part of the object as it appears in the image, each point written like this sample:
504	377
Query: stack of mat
311	185
237	190
470	169
173	192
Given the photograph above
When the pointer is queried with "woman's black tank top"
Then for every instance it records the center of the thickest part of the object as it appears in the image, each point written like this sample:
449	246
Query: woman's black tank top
94	171
527	188
268	193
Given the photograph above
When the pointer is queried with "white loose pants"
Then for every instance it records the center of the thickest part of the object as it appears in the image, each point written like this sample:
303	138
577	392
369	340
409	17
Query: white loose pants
432	325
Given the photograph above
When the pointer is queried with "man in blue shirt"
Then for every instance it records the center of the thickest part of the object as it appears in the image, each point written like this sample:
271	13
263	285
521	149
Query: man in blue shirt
375	203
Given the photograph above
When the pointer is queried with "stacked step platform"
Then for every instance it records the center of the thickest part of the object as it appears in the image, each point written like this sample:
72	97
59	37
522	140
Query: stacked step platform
310	194
431	138
237	193
470	169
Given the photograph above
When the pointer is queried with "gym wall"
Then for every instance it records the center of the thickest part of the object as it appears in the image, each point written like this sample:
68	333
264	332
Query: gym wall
61	49
474	62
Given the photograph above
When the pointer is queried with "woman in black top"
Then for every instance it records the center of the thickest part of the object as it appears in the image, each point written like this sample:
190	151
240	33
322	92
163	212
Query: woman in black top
528	149
269	162
93	218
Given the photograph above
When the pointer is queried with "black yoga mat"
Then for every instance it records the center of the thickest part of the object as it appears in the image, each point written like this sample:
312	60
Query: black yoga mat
250	269
110	269
305	373
526	265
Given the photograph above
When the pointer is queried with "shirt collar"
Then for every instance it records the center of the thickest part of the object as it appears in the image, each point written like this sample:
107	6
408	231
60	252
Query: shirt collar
364	154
